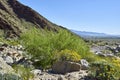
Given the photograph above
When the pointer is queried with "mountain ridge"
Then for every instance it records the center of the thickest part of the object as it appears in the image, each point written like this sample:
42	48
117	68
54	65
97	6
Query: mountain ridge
15	18
94	34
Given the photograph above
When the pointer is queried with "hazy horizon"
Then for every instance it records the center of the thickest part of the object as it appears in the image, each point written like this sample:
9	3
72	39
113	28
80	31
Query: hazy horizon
96	32
100	16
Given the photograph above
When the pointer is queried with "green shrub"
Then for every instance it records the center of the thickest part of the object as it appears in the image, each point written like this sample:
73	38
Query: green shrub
42	45
103	71
91	57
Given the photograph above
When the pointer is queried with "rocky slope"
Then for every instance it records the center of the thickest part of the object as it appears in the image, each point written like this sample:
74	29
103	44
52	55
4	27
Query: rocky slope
13	55
106	48
16	18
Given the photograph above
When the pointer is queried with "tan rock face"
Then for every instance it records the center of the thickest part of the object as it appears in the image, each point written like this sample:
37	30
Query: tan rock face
65	67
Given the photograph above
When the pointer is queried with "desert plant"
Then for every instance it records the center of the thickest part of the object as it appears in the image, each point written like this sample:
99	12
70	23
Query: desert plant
41	45
103	71
23	72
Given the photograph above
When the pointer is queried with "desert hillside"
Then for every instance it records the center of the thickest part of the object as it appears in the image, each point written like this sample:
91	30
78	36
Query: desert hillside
34	48
16	17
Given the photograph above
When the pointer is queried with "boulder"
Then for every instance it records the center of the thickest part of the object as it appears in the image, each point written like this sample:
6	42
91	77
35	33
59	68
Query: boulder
65	67
7	72
4	66
8	60
84	64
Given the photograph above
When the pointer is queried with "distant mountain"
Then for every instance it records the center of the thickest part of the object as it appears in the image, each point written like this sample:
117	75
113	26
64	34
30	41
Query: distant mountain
86	34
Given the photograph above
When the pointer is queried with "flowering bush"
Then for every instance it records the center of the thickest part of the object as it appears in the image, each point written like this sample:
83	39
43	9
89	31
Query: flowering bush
116	62
103	71
68	55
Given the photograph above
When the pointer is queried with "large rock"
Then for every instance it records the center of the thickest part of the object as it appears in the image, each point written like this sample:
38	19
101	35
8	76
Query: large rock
65	67
7	72
4	67
8	59
84	64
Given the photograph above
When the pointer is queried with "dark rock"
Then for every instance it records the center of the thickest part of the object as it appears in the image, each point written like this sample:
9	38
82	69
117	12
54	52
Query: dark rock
65	67
5	45
1	48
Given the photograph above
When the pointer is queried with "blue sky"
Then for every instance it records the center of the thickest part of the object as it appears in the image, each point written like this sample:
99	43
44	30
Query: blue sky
84	15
